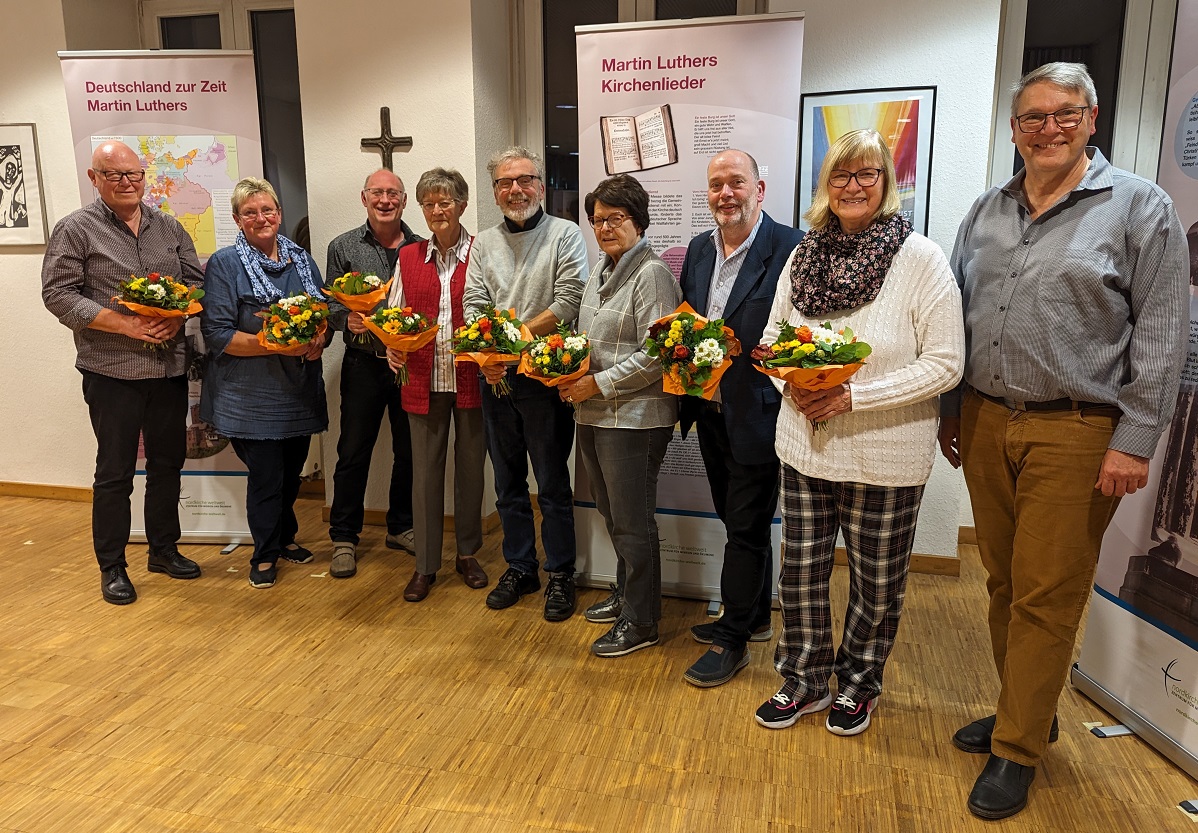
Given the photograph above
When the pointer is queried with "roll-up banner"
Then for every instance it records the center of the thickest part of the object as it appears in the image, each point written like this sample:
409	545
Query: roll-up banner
1139	659
657	101
192	117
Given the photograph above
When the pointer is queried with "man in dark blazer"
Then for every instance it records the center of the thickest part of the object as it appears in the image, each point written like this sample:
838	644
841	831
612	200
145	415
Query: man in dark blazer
731	273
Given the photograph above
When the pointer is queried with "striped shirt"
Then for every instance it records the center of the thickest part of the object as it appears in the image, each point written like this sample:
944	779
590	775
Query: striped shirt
90	253
723	277
444	377
1088	301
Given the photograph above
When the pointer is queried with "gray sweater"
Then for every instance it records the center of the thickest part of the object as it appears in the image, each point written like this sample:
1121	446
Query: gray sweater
531	271
618	306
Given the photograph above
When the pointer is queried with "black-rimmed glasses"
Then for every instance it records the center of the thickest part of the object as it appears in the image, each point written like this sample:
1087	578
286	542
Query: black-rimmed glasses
611	221
865	177
117	176
523	181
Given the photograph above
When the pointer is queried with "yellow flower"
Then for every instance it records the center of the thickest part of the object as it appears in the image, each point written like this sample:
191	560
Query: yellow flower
669	342
307	315
807	348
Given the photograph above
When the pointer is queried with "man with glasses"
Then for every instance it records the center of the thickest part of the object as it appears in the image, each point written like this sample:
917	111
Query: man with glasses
368	386
1075	298
535	264
732	273
131	391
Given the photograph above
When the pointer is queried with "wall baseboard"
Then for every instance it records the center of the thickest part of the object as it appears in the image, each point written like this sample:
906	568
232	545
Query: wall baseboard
967	535
934	565
378	517
77	494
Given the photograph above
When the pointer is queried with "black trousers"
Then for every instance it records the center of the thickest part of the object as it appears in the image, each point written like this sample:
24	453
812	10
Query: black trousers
367	390
122	411
274	467
745	497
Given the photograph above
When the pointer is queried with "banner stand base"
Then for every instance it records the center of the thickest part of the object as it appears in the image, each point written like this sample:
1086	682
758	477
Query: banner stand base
1151	735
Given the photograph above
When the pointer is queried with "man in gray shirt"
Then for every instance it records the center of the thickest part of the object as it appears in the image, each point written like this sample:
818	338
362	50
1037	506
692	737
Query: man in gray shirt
1076	310
535	264
130	390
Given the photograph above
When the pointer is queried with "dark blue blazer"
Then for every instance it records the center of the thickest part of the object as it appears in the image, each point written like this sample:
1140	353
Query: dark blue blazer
750	402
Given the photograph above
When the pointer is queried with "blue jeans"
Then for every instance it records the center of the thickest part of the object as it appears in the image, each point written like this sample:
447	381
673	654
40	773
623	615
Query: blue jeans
533	423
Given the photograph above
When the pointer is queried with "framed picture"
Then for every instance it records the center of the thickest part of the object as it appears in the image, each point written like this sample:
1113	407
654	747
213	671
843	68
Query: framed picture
22	209
903	115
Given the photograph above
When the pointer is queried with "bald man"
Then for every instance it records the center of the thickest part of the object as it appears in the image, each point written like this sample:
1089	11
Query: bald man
731	273
368	388
131	391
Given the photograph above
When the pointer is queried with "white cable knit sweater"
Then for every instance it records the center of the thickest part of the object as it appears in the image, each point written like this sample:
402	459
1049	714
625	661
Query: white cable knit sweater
917	333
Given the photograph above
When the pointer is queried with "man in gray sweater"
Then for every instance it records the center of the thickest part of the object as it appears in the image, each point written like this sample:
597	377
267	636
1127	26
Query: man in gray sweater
535	264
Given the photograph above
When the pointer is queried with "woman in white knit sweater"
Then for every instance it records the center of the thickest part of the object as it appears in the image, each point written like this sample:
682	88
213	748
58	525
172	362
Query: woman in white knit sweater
863	267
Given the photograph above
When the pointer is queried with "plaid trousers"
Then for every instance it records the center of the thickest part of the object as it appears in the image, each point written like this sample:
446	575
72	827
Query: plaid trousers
879	531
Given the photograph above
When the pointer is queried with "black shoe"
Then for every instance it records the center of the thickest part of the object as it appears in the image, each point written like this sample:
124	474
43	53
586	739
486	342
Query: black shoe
169	561
705	633
263	574
848	716
296	554
606	611
511	586
1001	789
715	668
976	736
116	587
624	638
559	597
783	709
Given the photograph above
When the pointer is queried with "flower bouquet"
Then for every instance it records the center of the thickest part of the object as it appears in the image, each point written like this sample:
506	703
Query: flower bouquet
694	352
159	296
358	292
402	329
493	337
292	321
557	358
813	359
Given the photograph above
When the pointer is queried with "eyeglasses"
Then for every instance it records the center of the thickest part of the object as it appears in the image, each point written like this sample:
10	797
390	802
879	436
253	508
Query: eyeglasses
265	214
611	221
1066	118
116	176
523	181
444	205
379	193
865	177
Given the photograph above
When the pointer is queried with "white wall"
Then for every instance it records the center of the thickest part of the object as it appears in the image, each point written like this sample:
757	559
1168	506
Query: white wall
426	70
952	44
42	415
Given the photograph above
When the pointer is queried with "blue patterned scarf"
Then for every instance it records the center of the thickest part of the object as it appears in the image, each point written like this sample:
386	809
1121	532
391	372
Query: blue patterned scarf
257	265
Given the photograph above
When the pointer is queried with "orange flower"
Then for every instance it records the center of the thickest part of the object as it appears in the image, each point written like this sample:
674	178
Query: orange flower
804	334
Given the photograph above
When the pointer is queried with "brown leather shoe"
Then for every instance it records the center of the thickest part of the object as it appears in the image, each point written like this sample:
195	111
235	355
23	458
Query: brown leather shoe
418	587
471	571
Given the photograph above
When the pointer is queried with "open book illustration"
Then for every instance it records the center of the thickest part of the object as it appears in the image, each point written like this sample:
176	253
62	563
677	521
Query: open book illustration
638	143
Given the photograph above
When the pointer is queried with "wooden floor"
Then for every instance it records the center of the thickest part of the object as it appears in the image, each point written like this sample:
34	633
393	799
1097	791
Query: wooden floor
328	705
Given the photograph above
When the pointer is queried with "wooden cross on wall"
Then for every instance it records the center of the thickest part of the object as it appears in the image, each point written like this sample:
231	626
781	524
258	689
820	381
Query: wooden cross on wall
385	142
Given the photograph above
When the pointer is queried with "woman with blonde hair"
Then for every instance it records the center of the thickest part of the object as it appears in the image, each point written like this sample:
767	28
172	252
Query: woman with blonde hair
860	266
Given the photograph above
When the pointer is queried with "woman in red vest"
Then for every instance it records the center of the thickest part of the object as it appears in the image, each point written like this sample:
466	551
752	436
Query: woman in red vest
429	277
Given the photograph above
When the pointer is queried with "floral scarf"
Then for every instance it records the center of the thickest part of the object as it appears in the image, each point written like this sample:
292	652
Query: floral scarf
257	265
834	271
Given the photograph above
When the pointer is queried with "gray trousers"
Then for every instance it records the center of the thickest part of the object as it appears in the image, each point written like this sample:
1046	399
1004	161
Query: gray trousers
623	464
430	440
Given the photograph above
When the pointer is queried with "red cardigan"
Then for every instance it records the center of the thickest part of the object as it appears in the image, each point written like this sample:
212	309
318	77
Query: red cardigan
422	290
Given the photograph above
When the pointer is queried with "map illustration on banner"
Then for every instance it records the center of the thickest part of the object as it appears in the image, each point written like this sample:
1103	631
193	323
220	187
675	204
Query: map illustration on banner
191	178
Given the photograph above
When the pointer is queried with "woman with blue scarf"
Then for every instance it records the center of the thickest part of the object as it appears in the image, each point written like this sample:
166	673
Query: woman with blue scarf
269	403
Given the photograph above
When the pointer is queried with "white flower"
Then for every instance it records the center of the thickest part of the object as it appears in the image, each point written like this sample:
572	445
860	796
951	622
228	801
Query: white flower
371	280
709	352
157	290
575	343
511	331
539	349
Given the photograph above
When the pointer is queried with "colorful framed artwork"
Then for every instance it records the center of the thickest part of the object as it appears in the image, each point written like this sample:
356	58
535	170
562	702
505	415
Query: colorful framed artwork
22	209
905	117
